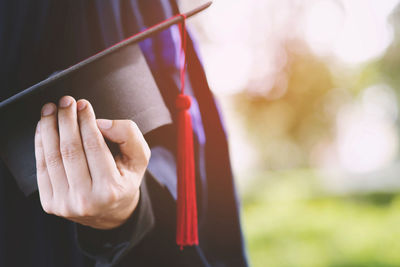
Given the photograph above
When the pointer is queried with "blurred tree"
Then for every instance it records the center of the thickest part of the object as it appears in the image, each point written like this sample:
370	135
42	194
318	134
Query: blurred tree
285	122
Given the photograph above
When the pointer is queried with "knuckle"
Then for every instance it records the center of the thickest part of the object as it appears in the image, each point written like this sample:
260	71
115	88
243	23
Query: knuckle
63	210
84	208
111	195
92	143
53	159
70	150
40	166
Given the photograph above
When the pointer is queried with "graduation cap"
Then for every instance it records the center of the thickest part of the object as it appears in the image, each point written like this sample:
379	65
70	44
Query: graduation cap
119	85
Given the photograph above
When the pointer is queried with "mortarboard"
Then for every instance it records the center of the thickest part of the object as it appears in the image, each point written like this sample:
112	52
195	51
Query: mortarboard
119	85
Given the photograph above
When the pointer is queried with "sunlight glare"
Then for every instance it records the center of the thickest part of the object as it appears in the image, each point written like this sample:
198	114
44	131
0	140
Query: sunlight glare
353	31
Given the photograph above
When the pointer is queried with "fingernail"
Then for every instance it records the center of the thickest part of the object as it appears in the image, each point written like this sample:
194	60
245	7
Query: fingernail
65	101
48	109
104	124
81	105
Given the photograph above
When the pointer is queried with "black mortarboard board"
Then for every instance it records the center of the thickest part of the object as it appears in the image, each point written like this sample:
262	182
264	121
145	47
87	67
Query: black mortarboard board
118	83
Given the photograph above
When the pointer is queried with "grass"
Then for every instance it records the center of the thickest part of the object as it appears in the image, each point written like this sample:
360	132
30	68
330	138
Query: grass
290	221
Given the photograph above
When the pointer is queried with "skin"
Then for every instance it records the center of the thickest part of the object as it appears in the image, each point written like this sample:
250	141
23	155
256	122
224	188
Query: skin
78	177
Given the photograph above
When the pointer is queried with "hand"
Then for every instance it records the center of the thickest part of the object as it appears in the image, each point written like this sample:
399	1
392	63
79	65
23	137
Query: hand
78	177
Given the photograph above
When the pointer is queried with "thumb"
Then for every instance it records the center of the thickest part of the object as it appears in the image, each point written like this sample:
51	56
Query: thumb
134	149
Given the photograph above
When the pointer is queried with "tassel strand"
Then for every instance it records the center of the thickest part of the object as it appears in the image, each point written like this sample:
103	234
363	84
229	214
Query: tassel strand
186	231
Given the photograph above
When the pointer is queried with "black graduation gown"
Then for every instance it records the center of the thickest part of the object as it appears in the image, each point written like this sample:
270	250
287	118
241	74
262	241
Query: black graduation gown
38	38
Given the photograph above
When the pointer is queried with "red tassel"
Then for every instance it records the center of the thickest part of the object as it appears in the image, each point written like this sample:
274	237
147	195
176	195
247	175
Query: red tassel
186	223
186	232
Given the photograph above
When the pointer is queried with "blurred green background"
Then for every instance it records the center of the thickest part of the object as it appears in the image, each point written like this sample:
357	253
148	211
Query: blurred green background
310	94
290	221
